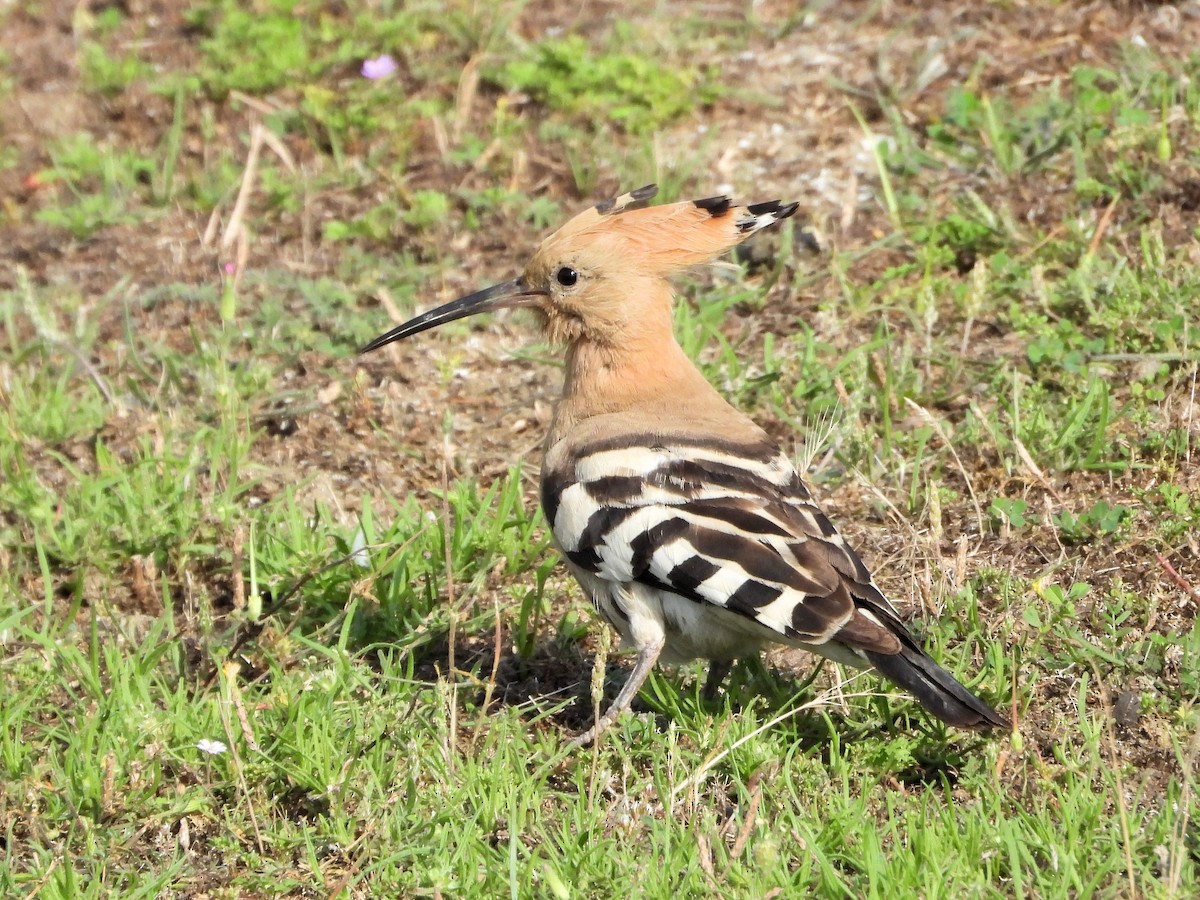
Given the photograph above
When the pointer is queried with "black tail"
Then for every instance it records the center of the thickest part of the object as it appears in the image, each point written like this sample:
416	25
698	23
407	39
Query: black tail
936	689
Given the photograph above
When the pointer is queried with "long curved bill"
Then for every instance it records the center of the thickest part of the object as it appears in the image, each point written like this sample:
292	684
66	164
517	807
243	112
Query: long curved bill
500	296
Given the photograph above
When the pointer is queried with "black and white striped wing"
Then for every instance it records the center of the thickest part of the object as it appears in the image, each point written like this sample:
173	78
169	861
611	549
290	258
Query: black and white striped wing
733	526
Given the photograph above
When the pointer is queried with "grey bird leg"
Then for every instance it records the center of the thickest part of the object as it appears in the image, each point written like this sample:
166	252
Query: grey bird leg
646	658
717	670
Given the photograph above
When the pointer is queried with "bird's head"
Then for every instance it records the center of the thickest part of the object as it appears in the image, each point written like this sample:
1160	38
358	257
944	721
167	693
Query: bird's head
602	277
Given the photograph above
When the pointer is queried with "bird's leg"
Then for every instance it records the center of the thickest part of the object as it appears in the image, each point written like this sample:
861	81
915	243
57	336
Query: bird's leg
646	658
717	670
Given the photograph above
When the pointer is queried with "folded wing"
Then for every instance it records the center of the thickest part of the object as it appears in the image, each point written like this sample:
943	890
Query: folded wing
731	526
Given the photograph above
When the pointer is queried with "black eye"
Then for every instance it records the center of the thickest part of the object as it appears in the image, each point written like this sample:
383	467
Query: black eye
566	276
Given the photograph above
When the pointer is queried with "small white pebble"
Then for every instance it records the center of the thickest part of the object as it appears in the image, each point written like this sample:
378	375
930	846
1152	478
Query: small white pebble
211	747
358	550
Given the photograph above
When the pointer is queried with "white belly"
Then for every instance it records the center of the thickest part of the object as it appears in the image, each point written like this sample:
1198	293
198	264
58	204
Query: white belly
691	630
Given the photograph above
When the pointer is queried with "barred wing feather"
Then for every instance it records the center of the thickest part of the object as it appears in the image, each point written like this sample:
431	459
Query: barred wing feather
730	526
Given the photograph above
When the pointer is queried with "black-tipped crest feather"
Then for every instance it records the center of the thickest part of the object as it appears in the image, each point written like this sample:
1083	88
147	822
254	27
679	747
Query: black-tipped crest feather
635	199
714	206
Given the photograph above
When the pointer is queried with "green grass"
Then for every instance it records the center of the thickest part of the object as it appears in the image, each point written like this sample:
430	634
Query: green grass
632	91
277	620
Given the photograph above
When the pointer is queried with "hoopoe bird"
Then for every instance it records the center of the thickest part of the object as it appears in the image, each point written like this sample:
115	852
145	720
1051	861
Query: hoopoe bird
690	531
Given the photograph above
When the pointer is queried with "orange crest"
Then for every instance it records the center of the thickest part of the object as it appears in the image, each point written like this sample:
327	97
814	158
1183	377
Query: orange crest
659	240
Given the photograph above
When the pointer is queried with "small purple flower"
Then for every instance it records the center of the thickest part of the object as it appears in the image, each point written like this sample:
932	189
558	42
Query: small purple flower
380	67
229	268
